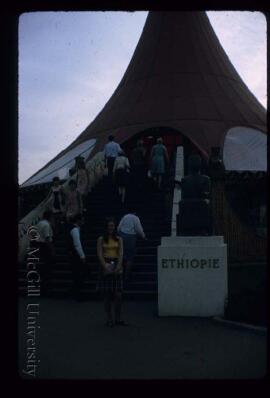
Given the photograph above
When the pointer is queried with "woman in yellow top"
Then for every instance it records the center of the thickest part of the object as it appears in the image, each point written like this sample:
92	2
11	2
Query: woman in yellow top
110	255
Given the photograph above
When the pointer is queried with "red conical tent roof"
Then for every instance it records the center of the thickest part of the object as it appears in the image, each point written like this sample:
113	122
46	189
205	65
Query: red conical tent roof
179	77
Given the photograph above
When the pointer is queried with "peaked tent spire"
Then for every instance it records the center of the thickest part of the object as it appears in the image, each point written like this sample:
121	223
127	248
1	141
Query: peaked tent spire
179	77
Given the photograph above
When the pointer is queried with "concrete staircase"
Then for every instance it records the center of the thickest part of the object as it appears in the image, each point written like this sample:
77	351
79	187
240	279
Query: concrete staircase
103	202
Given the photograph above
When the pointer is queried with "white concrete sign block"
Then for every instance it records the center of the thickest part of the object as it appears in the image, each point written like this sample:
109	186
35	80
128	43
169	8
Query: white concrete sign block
192	276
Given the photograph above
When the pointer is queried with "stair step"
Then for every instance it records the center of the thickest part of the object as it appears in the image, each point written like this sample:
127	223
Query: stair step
145	219
59	292
92	250
154	232
93	242
94	273
100	228
91	283
145	263
93	257
95	266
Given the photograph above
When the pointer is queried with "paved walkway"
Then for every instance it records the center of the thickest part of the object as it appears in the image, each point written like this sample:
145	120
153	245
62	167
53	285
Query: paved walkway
73	343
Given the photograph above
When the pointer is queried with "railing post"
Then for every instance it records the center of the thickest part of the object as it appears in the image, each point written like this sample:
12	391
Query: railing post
179	174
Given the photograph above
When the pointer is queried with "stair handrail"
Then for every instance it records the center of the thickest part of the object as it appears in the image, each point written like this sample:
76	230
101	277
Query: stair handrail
179	174
95	167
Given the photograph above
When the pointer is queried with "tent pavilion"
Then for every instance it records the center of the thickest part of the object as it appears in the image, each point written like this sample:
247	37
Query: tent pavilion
179	84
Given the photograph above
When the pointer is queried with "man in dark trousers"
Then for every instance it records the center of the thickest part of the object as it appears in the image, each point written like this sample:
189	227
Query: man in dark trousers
129	229
111	151
138	164
77	255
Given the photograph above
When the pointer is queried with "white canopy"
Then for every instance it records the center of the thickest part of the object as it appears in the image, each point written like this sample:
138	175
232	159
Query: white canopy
61	166
245	149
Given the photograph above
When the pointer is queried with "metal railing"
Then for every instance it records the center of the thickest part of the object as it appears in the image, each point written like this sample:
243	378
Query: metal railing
179	174
95	166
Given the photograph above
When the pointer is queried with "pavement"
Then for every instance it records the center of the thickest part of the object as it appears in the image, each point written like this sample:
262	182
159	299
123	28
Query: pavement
69	340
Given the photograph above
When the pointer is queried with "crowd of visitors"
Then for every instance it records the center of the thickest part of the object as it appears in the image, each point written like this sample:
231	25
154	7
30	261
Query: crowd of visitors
123	171
116	247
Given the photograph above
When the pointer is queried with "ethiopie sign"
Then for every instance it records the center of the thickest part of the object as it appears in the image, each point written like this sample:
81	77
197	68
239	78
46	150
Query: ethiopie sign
192	276
190	263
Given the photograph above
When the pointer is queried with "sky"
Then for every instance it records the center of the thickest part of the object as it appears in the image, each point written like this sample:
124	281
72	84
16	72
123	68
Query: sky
70	63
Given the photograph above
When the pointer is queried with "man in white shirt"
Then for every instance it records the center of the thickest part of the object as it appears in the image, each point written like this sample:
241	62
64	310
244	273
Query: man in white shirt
77	255
129	229
111	151
46	249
